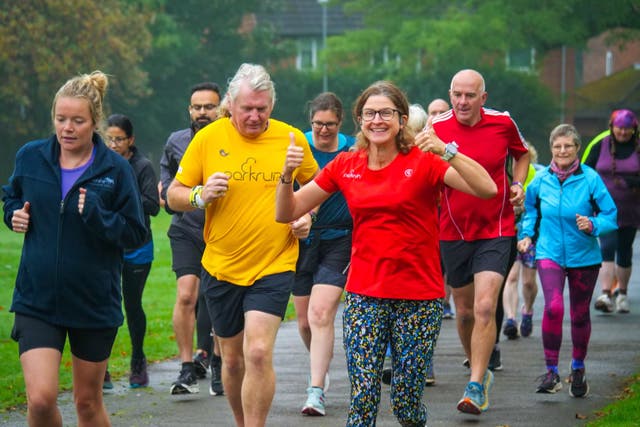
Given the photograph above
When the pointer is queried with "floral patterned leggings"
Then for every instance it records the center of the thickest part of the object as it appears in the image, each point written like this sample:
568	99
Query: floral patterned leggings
411	327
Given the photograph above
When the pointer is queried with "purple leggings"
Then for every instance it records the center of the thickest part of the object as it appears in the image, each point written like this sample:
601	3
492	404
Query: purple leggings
582	282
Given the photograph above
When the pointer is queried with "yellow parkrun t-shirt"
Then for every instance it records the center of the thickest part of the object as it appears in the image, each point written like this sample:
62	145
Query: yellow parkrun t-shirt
243	240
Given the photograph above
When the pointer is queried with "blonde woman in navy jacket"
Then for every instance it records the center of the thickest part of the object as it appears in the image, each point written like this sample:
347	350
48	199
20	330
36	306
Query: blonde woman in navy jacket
78	206
567	207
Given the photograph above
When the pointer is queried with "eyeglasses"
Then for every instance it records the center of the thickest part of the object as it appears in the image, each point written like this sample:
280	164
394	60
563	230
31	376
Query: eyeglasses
563	147
116	139
329	125
386	114
206	107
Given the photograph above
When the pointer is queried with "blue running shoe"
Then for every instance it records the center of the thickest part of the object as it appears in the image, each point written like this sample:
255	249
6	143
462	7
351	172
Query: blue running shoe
510	329
473	399
314	405
526	325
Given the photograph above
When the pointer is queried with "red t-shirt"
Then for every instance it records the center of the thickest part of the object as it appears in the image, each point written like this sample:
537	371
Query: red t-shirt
395	251
489	142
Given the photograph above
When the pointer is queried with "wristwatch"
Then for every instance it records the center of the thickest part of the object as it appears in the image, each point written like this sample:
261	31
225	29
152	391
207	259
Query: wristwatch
450	150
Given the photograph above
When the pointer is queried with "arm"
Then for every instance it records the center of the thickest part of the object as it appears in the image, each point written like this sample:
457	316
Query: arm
465	174
520	172
149	190
606	218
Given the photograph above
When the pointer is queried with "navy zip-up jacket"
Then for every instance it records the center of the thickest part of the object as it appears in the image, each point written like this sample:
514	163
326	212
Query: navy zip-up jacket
69	273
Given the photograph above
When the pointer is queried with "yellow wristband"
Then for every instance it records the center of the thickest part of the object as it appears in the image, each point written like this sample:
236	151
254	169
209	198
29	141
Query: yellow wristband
195	197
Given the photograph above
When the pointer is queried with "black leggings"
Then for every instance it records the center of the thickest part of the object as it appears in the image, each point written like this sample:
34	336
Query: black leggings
134	277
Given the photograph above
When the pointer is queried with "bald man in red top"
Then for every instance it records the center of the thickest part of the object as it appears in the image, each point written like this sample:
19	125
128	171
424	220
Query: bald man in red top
476	236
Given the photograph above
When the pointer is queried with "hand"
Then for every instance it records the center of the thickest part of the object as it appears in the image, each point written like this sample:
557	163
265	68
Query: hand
294	158
524	244
516	196
584	223
301	227
20	218
216	186
81	199
428	141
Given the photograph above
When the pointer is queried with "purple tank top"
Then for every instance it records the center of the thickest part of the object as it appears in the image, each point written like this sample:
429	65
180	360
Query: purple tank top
70	176
627	200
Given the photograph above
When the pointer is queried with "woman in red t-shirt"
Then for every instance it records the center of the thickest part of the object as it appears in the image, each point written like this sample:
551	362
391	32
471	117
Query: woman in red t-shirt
391	183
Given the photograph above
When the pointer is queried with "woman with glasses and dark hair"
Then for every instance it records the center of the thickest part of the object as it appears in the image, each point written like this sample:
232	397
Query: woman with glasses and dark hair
137	261
394	290
617	160
324	256
570	200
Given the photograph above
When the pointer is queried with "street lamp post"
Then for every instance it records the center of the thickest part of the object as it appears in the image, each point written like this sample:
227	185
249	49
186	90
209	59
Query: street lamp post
325	82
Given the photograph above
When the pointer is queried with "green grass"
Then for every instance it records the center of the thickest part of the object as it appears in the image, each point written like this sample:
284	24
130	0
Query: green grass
158	300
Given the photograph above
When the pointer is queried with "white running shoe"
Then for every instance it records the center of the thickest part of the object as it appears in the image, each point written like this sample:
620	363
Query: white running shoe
622	304
604	304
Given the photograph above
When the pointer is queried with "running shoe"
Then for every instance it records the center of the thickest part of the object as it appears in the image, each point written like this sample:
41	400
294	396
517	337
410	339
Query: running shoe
526	326
549	383
579	385
201	364
495	362
430	380
473	399
139	376
510	329
216	388
487	383
107	384
187	382
314	405
622	304
604	304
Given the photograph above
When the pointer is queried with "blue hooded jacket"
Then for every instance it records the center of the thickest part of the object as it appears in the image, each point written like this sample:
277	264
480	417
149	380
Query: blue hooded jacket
69	273
550	210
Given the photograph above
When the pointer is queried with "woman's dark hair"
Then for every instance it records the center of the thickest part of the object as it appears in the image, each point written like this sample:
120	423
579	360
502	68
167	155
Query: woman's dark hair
121	121
326	101
405	137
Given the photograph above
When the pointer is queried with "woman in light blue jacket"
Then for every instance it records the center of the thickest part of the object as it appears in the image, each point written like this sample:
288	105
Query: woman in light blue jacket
567	206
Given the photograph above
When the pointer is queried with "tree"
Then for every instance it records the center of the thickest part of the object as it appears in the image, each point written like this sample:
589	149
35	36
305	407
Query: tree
45	42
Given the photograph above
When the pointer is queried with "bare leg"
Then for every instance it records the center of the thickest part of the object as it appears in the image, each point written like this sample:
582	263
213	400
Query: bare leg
487	287
301	304
87	392
510	294
259	385
529	288
463	298
233	373
184	315
322	313
623	274
607	276
40	368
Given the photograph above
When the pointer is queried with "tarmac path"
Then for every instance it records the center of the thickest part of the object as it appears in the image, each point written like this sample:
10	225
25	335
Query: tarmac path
614	354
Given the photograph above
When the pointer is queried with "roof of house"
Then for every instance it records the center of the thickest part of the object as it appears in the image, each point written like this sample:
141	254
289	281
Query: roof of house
619	90
300	18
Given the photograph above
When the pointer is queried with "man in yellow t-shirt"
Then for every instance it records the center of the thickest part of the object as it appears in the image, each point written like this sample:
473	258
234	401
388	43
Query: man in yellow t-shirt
231	169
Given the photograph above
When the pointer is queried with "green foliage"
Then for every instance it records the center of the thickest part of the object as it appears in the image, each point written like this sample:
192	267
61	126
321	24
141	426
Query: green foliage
45	42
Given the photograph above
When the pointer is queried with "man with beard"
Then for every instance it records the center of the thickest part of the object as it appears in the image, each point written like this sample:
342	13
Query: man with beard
187	245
